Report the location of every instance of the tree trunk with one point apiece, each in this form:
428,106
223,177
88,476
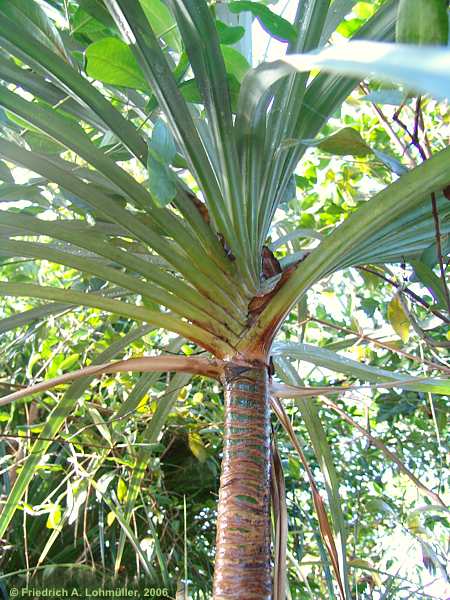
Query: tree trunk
243,565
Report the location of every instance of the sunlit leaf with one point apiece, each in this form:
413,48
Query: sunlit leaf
111,61
121,490
197,447
274,24
398,318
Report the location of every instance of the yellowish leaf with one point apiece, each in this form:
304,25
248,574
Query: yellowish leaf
398,318
197,447
197,398
54,517
121,490
365,565
111,517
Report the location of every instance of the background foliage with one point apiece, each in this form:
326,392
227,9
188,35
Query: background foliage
112,457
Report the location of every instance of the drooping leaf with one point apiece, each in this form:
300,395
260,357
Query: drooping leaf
398,318
346,141
111,61
390,162
342,364
197,447
162,141
121,490
162,151
274,24
427,276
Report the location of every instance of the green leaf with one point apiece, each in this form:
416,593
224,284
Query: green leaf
161,182
69,362
346,141
422,22
235,63
162,22
97,10
342,364
274,24
111,61
5,173
229,34
162,142
430,255
35,22
42,144
162,151
427,276
390,162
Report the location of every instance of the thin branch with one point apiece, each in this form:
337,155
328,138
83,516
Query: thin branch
381,446
390,130
361,336
407,291
418,329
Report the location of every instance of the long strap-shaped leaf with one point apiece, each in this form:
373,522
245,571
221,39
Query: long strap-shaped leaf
407,193
113,211
342,364
202,44
324,457
327,91
288,97
154,293
72,136
44,60
88,238
144,364
139,313
39,87
136,30
31,316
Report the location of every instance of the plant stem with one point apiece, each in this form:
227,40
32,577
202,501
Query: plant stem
243,566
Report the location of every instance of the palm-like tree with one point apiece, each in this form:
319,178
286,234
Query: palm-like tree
196,262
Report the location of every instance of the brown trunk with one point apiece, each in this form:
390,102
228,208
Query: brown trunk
243,565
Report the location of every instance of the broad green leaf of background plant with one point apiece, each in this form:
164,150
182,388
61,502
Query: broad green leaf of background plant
229,34
162,22
346,141
111,61
274,24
